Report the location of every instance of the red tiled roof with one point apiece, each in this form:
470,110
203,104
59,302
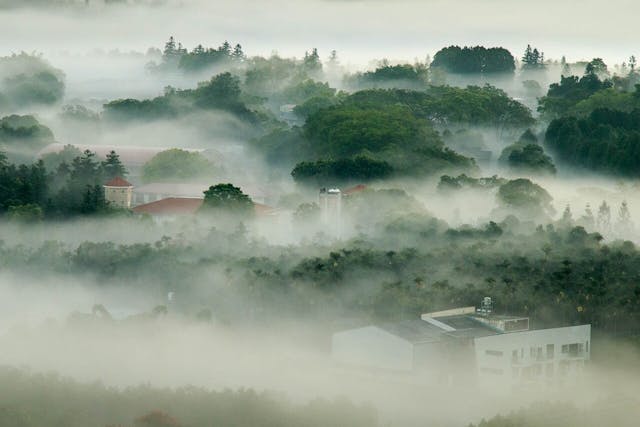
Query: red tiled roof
261,209
187,206
356,189
170,206
118,182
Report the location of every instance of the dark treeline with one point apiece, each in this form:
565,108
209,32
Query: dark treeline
31,400
33,192
473,60
408,263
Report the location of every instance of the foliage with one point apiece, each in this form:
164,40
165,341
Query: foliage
389,76
22,136
525,197
39,400
25,213
176,165
472,60
112,167
324,173
606,141
53,160
307,213
532,59
529,158
79,113
614,410
28,80
466,182
222,92
393,135
30,192
200,59
563,96
228,199
283,146
445,105
305,90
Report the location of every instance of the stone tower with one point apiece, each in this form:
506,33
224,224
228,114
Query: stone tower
118,192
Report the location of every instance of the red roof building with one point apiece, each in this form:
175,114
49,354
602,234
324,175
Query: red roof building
174,206
353,190
170,206
118,182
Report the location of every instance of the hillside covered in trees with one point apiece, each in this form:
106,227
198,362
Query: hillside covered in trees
191,211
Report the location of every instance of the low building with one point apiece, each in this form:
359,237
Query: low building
162,190
173,207
456,346
118,193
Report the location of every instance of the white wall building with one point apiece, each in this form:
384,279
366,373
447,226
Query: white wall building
460,345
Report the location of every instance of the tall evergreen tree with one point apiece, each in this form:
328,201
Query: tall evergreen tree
112,167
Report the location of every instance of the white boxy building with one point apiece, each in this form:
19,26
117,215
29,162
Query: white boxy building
457,345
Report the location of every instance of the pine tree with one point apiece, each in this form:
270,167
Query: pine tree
632,63
604,217
567,217
587,219
527,59
238,54
112,167
225,48
169,48
624,225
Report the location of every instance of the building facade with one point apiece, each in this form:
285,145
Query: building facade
118,193
467,345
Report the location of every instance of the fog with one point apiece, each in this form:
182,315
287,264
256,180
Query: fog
246,290
359,30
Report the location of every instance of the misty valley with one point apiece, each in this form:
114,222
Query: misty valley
203,233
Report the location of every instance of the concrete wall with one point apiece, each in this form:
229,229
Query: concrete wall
550,356
119,196
372,347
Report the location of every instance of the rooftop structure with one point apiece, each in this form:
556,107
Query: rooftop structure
161,190
183,206
118,192
466,343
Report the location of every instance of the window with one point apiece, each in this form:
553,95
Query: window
494,353
514,356
573,350
550,351
587,346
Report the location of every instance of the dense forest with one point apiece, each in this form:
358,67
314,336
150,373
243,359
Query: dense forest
277,198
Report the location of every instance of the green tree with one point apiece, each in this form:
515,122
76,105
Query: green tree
531,158
324,173
112,167
176,165
228,199
525,197
597,67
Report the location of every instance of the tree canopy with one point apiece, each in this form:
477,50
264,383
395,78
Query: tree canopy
474,60
177,165
228,199
606,141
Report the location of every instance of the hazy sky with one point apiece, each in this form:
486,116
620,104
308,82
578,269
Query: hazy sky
359,30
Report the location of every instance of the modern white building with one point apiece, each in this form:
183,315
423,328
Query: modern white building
330,202
465,344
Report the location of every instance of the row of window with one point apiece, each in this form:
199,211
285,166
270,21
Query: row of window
541,353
